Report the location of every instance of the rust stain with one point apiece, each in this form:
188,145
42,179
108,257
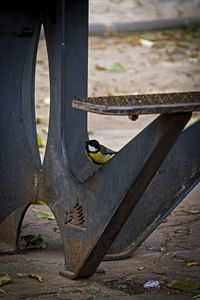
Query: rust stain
31,178
78,252
43,194
8,228
8,233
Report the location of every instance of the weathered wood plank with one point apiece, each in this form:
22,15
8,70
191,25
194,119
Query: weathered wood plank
140,104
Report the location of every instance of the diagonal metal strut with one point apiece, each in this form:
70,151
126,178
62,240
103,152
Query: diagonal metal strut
164,132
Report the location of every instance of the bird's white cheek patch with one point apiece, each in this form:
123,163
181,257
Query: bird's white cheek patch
91,148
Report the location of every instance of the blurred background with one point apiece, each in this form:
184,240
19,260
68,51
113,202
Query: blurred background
108,11
162,60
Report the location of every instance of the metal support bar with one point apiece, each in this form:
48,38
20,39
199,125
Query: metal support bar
67,45
106,201
19,155
177,176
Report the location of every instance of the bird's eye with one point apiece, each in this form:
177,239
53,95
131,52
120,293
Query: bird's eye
94,143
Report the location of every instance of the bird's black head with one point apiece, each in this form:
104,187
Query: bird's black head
92,146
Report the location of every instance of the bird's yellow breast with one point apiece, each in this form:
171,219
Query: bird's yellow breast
98,157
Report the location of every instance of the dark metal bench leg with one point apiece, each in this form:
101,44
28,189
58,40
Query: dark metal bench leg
10,231
19,155
90,210
110,196
66,32
176,177
90,214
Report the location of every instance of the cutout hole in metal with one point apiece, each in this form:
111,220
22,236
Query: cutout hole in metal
39,229
42,96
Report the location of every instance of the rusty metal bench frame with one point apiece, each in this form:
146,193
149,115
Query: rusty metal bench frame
80,194
179,171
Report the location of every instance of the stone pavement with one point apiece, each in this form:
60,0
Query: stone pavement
163,257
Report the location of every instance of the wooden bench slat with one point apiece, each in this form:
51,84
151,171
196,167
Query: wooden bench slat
140,104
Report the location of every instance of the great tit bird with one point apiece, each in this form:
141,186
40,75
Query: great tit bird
97,153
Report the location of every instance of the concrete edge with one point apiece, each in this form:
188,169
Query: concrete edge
101,29
140,26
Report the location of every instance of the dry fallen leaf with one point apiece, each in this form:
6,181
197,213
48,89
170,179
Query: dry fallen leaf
183,286
35,210
44,214
148,37
179,231
163,249
39,141
34,242
192,212
39,120
194,263
115,67
4,278
45,131
34,276
39,202
100,68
